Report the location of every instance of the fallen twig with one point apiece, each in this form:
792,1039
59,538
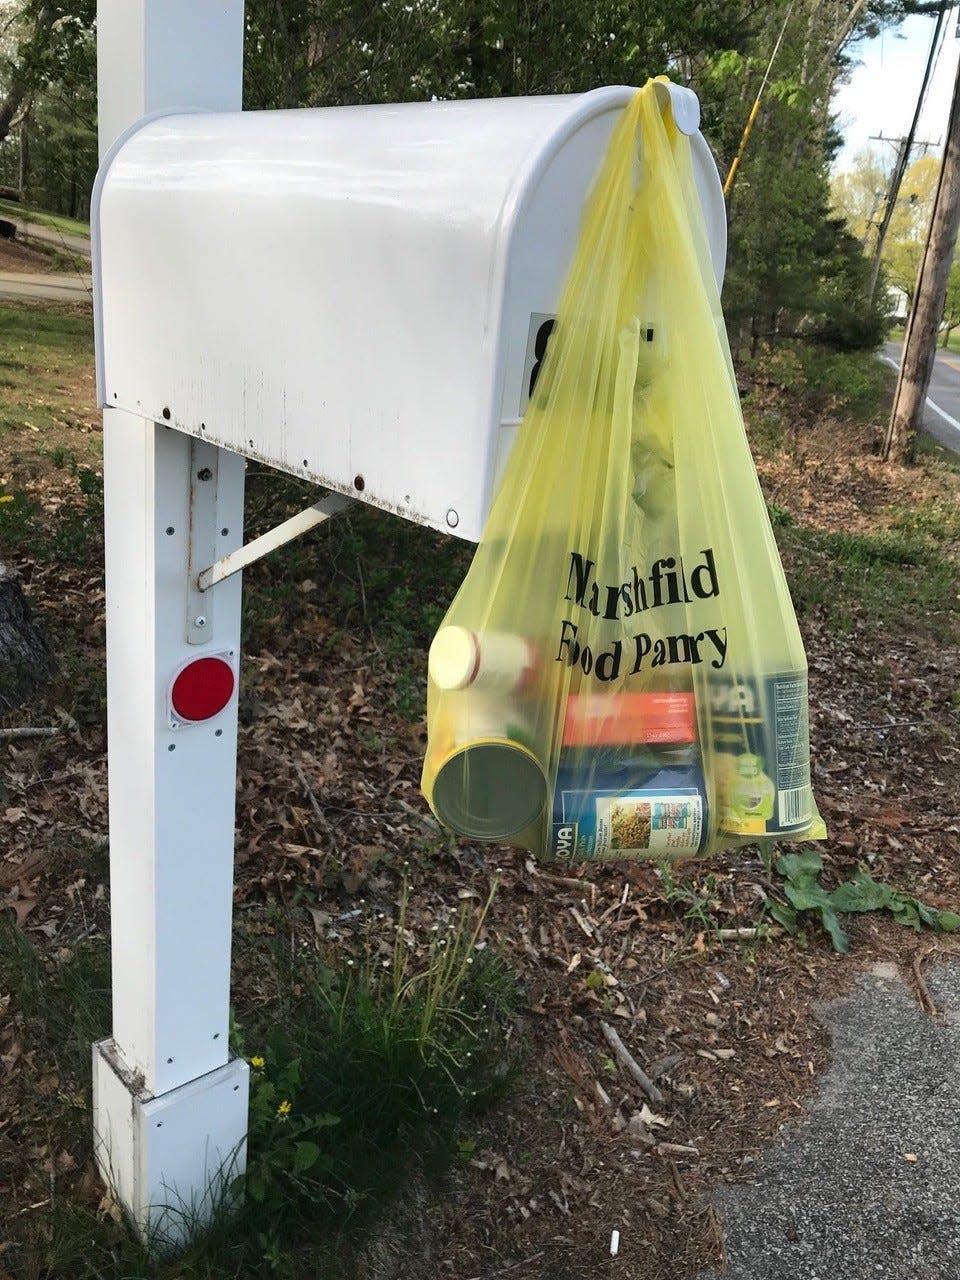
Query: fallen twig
315,805
502,1271
744,933
676,1149
926,999
47,731
630,1064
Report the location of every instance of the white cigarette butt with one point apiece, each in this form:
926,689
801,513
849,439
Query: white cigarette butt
614,1243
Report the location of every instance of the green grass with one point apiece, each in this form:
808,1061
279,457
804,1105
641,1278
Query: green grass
43,355
362,1075
56,221
929,449
891,577
934,522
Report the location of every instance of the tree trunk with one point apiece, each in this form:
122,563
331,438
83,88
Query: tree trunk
20,83
920,339
26,660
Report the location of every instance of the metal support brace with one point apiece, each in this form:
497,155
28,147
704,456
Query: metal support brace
333,504
204,458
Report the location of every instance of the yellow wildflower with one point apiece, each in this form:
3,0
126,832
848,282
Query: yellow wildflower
258,1063
284,1108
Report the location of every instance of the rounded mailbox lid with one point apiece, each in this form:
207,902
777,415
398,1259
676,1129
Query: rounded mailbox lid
489,790
418,250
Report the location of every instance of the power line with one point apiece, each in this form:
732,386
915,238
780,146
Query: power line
905,147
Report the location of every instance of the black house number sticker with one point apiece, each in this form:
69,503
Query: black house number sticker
538,336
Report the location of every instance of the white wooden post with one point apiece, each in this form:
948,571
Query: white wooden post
170,1109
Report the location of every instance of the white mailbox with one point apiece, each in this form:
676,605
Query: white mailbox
356,294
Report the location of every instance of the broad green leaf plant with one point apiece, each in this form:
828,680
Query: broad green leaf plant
804,892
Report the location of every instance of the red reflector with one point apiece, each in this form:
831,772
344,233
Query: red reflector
202,689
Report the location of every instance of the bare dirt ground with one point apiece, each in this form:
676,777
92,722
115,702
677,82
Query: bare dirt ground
329,811
22,258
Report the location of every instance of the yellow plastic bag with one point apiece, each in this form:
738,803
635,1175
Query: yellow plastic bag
621,673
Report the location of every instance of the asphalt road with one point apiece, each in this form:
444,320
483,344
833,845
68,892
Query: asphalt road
49,288
867,1185
69,286
942,415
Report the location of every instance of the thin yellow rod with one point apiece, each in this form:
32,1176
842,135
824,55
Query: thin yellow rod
754,110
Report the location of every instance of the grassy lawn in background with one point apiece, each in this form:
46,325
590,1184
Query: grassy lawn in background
46,377
56,221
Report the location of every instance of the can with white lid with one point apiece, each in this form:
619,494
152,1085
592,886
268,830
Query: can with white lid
491,661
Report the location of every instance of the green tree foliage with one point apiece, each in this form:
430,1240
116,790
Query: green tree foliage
48,79
857,195
795,270
951,305
321,52
791,266
908,226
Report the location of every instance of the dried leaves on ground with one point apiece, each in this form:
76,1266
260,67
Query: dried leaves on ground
716,1015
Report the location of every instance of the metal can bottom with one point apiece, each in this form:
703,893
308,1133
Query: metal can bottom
489,790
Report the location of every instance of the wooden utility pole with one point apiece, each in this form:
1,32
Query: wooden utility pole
904,148
920,339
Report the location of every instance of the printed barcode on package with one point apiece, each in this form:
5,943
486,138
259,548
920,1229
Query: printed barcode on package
794,805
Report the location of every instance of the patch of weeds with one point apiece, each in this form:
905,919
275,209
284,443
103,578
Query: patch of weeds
76,534
882,576
81,687
363,1079
66,262
933,522
73,536
361,1075
694,905
850,384
65,1003
804,892
61,457
767,427
17,515
780,517
927,447
797,384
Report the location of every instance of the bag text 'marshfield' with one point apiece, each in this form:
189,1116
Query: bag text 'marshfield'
668,582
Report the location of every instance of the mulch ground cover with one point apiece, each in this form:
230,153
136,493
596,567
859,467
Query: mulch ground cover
721,1020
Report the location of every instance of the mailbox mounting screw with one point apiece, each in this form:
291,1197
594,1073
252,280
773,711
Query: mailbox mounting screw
200,621
204,474
166,413
358,483
224,532
170,531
